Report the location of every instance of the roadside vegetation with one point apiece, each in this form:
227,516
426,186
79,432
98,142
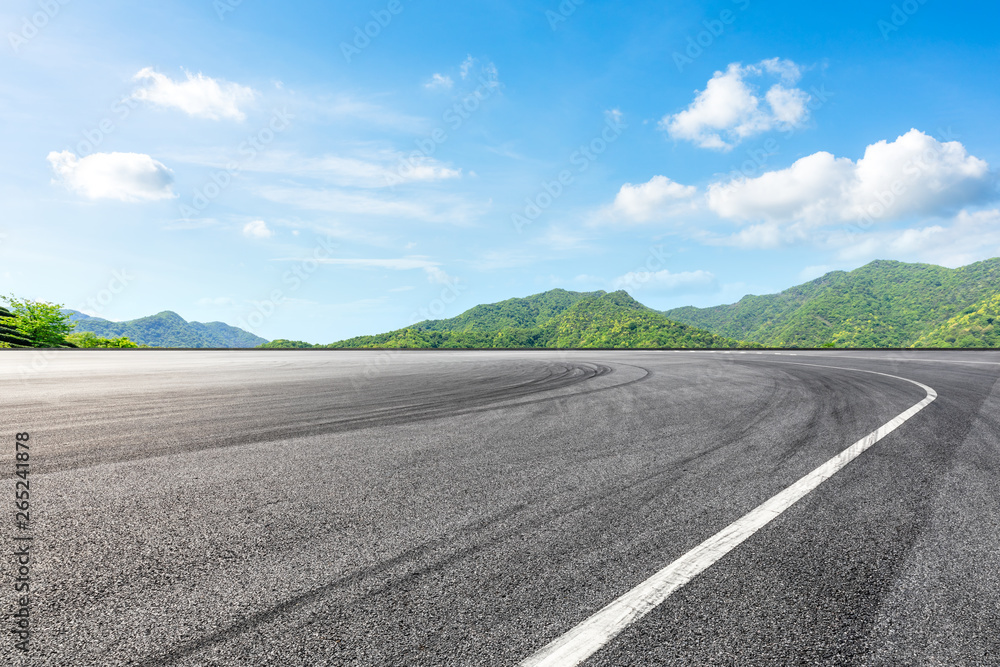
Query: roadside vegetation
36,324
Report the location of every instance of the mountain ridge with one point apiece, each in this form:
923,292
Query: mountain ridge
554,319
168,329
884,303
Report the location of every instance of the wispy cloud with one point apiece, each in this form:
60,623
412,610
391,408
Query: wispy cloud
684,282
433,270
419,206
440,82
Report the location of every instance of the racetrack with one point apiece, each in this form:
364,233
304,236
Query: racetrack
469,508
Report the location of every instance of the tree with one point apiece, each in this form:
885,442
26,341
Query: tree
44,324
88,339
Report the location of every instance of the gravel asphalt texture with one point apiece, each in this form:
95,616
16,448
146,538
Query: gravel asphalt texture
466,508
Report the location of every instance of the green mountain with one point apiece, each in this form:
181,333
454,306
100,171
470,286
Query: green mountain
882,304
532,311
976,326
168,329
556,319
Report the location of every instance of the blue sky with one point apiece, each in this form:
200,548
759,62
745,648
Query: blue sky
322,170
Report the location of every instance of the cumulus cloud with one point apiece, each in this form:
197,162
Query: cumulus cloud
439,82
684,282
199,95
654,199
915,175
127,177
257,229
730,108
835,203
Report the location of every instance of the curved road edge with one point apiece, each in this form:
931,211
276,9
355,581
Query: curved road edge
582,641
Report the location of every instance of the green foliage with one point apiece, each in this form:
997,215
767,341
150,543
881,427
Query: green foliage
282,344
10,337
36,323
591,320
168,329
976,326
882,304
88,339
526,313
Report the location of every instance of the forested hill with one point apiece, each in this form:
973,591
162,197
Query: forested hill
532,311
882,304
556,319
168,329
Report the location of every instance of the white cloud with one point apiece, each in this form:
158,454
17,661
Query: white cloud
467,66
814,272
490,73
257,229
437,275
664,281
221,301
199,95
439,81
915,175
433,270
364,168
968,237
431,208
125,176
655,199
730,109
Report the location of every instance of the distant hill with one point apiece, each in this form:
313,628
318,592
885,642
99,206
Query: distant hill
555,319
882,304
168,329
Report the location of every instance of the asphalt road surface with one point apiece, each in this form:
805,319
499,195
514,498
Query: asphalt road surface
472,508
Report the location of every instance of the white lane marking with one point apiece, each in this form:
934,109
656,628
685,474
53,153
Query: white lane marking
589,636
